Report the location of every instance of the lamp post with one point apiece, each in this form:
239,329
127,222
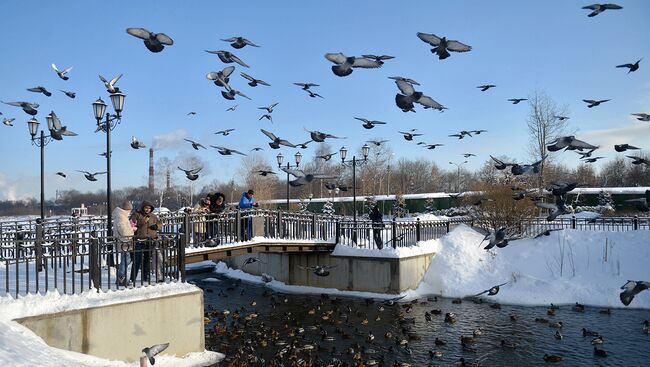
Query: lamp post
111,121
458,165
280,158
365,149
41,142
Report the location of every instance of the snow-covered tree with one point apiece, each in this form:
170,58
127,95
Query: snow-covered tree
328,208
430,205
605,199
303,204
399,210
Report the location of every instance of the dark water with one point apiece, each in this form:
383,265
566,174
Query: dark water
257,341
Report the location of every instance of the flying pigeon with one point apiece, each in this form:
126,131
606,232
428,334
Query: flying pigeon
561,118
268,109
369,124
319,270
303,178
379,58
239,42
154,350
556,209
69,94
252,81
320,137
313,94
228,57
377,142
104,154
432,146
304,145
230,93
408,136
492,291
632,67
191,113
592,160
547,232
599,8
91,176
195,145
220,78
641,204
136,144
110,85
485,87
250,260
570,143
520,169
265,173
562,188
638,160
306,86
266,116
232,108
593,103
642,116
226,151
478,132
467,155
62,74
155,42
517,100
624,147
344,64
410,95
586,154
442,46
495,238
256,149
40,89
191,174
631,289
8,121
225,132
275,144
61,174
326,157
57,132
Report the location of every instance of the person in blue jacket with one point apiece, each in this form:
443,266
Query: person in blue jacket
247,201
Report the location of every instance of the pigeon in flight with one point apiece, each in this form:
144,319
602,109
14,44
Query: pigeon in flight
29,108
459,136
303,178
239,42
369,124
642,116
230,93
228,57
110,85
485,87
570,143
556,209
379,58
62,74
593,103
641,204
256,149
495,238
136,144
191,113
586,154
8,121
226,151
91,176
377,142
268,109
561,188
40,89
304,145
61,174
69,94
409,135
57,132
631,289
225,132
547,232
492,291
232,108
195,145
638,160
410,95
520,169
344,64
467,155
254,82
104,154
250,260
191,174
592,160
432,146
155,42
154,350
220,78
326,157
478,132
313,94
517,100
319,270
306,86
265,173
632,67
624,147
320,137
266,116
599,8
561,118
442,46
275,144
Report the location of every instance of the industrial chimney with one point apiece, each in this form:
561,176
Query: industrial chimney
151,188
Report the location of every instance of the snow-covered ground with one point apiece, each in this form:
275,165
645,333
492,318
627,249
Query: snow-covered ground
19,346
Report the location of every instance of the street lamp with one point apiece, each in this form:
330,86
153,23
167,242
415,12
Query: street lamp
110,122
365,149
41,142
458,165
280,158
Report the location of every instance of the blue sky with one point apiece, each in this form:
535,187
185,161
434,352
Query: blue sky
519,46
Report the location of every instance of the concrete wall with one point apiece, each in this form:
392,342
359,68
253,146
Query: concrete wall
382,275
120,331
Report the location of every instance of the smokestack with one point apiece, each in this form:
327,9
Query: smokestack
151,188
168,181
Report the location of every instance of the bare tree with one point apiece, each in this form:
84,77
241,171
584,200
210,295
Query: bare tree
544,125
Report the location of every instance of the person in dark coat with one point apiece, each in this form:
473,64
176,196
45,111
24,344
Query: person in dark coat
377,226
217,206
147,226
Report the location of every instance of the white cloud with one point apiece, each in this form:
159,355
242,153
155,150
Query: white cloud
635,134
20,188
172,139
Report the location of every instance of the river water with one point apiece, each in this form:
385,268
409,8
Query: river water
265,328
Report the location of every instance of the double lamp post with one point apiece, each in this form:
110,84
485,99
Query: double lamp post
280,159
365,149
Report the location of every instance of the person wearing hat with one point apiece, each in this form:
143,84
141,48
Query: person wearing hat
147,226
123,233
200,210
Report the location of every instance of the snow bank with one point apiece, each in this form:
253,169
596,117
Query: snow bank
19,346
422,248
566,267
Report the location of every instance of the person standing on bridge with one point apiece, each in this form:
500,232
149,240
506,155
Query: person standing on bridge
377,226
123,232
200,210
247,201
147,225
